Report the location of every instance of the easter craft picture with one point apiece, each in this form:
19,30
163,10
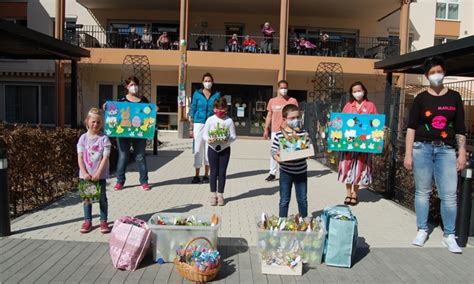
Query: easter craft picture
294,148
219,133
132,120
356,132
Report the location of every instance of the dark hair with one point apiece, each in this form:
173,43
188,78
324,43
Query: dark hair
432,62
220,103
132,79
289,108
207,75
283,82
358,83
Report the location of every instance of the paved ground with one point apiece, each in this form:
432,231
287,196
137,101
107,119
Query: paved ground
385,228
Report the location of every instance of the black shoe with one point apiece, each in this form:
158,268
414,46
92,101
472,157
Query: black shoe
205,179
196,180
271,178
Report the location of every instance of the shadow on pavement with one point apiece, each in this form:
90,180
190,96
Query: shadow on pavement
253,193
52,225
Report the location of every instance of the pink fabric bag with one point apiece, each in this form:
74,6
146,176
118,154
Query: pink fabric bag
128,243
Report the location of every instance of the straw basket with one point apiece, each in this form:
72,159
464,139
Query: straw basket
192,274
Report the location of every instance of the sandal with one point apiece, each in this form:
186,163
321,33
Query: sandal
354,201
347,201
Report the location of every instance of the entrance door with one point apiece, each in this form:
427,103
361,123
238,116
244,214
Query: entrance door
247,106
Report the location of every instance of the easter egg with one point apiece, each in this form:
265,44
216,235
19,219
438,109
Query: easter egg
147,110
375,123
136,122
350,123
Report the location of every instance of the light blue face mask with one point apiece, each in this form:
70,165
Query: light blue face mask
294,123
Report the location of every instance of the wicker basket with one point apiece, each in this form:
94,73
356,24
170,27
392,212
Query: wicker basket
190,273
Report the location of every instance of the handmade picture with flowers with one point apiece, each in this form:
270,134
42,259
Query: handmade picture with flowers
132,120
356,132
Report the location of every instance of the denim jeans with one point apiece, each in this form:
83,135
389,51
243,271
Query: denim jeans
218,162
301,187
102,204
439,162
139,146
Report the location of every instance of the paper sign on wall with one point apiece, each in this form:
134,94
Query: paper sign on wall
240,112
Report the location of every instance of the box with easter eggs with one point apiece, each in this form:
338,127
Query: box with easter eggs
286,244
356,132
131,120
295,148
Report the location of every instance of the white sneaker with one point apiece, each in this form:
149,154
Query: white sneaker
420,238
451,244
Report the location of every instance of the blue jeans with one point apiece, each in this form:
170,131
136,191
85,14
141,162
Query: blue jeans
139,146
301,187
102,204
440,162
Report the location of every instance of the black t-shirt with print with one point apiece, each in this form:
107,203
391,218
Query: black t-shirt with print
142,100
437,118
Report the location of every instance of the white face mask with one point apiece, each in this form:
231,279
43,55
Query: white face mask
207,85
283,92
133,89
436,79
358,95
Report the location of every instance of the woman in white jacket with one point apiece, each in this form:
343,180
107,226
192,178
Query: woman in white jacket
219,132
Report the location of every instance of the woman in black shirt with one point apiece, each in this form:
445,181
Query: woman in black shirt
138,144
435,128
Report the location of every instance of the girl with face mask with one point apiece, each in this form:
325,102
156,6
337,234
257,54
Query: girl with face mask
219,132
355,169
435,129
139,145
201,109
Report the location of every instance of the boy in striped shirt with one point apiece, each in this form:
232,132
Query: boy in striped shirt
295,171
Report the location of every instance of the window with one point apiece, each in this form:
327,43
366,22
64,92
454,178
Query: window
21,104
34,104
447,9
106,93
442,40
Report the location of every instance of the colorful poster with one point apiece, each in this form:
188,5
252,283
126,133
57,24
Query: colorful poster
356,132
133,120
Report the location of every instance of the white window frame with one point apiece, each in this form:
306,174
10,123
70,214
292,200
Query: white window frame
447,2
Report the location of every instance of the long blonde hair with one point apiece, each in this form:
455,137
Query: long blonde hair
93,111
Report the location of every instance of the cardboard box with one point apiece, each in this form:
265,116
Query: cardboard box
291,155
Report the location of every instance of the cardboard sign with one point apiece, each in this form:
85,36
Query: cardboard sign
131,120
356,132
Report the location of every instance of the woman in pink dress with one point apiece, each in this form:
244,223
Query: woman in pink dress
355,168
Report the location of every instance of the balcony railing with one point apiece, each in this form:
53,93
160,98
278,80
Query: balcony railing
311,45
354,47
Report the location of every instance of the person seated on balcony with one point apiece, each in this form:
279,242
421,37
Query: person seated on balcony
250,45
147,40
306,47
204,42
292,41
133,39
233,44
324,43
163,41
267,32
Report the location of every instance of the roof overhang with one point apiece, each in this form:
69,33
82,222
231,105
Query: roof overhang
458,56
19,42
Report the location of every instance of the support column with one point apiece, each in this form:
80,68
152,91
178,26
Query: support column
73,108
183,48
404,35
59,67
284,15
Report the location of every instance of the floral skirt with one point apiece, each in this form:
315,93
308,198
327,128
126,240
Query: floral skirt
355,168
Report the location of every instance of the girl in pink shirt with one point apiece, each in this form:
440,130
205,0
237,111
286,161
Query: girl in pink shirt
355,168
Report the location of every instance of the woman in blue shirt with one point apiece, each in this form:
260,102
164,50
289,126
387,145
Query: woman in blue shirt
201,109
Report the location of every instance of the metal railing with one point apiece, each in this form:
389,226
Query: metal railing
354,47
336,46
223,43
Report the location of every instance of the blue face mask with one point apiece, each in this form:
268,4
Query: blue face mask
294,123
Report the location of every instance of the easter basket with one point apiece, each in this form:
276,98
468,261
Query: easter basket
191,273
89,190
